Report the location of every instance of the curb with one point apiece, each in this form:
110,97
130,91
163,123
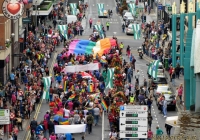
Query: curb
179,108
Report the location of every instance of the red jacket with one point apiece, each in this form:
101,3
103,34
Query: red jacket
45,124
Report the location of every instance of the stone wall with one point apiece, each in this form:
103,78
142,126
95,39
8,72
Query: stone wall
189,124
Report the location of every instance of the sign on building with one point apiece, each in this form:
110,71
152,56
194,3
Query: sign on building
133,121
4,116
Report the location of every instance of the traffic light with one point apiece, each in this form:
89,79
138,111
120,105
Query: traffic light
143,18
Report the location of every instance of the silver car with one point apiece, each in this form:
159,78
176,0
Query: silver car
129,29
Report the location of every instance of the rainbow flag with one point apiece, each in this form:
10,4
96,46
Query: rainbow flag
104,105
71,97
72,87
65,86
103,61
90,88
65,121
59,113
57,100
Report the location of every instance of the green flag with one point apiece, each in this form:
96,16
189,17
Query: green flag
154,68
100,7
136,30
109,78
47,84
99,29
149,68
132,8
63,30
73,8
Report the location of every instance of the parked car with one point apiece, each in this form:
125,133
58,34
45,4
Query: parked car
129,19
129,30
171,101
161,89
126,15
103,14
124,11
158,81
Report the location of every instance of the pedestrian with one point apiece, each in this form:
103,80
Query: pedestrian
96,111
177,71
107,25
159,131
164,107
149,103
132,99
173,76
137,76
90,22
113,133
180,92
52,136
47,71
123,28
150,118
84,16
145,82
111,119
15,132
54,23
149,9
10,137
128,51
33,126
1,132
51,127
90,121
168,129
149,134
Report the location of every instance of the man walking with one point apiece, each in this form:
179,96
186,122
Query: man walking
90,120
164,107
96,115
107,25
168,129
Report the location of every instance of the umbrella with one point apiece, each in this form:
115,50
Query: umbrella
85,75
57,118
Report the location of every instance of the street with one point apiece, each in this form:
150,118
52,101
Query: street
115,26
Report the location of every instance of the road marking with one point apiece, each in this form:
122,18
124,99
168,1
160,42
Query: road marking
40,104
157,121
93,4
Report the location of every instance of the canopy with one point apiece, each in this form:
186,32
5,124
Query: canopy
89,47
172,121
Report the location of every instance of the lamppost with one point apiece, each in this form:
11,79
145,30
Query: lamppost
10,43
174,16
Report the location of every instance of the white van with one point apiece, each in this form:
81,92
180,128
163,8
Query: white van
71,18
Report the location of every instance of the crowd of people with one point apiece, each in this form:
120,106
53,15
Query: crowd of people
25,88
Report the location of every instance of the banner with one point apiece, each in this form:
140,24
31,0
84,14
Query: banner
100,7
63,29
99,28
132,8
109,79
62,129
77,68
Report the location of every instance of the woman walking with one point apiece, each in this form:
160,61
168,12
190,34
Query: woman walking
128,51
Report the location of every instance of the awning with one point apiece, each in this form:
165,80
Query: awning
42,12
172,121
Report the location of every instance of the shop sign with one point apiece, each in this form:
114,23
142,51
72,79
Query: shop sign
13,9
169,8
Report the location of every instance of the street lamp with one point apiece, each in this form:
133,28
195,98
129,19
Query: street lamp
8,43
